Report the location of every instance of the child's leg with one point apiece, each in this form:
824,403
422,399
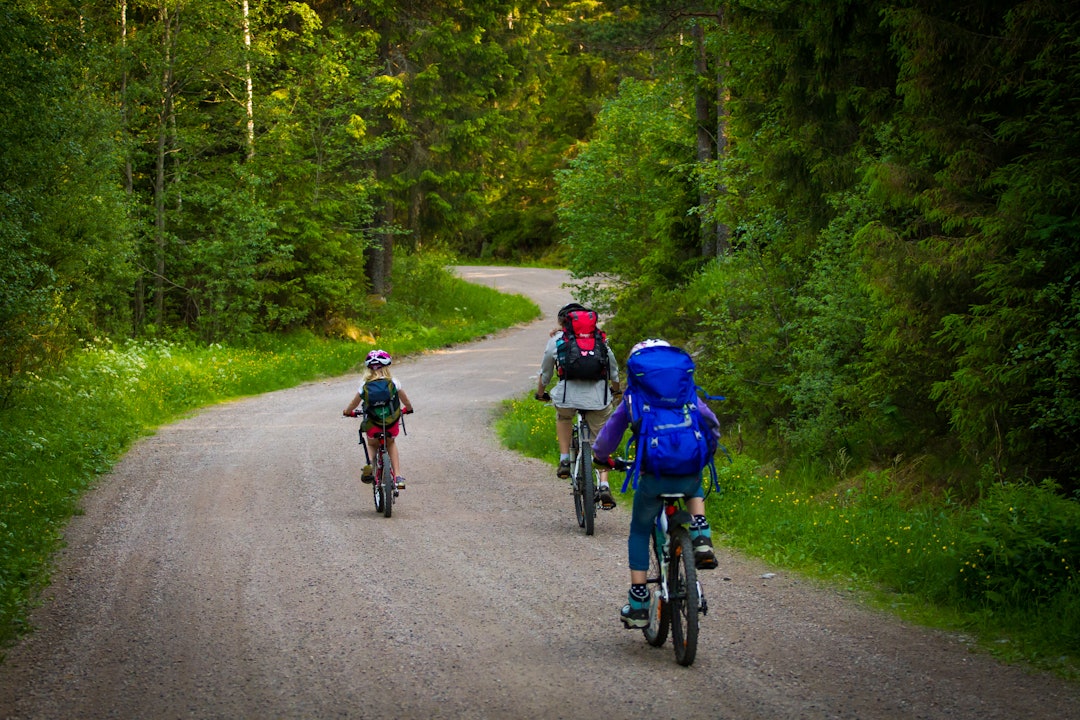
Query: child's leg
701,534
392,449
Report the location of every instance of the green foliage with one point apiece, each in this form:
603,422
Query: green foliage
213,188
900,199
528,427
62,231
999,145
623,200
1022,548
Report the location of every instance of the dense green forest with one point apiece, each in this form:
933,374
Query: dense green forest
862,216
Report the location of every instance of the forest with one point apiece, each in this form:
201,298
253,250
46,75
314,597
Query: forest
860,215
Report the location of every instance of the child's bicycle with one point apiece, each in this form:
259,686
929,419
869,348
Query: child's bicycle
384,483
675,595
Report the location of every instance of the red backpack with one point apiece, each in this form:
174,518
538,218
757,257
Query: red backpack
581,353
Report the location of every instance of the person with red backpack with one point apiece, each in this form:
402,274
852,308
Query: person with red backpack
383,403
578,355
675,435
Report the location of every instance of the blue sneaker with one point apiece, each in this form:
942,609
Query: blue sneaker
635,613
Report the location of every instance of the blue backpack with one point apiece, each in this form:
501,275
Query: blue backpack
669,432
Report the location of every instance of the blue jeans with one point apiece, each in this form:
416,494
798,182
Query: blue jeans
647,505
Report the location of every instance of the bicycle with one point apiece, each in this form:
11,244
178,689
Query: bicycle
384,484
586,492
675,596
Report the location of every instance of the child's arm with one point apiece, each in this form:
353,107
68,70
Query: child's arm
352,406
405,401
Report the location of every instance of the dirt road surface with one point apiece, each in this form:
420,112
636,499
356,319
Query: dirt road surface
232,566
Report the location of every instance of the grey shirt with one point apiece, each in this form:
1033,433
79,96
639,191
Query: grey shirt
577,394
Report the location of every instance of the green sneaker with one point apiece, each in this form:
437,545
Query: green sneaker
635,613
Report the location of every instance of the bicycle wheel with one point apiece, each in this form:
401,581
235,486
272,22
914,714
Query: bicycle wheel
575,484
683,589
378,494
588,488
376,486
656,631
386,483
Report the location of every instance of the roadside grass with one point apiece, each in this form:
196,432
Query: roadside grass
66,428
1003,570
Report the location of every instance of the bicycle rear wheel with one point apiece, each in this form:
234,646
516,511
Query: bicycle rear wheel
575,485
656,631
586,481
683,589
387,486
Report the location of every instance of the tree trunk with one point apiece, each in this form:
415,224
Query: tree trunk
704,108
139,301
159,175
711,112
250,103
723,232
381,256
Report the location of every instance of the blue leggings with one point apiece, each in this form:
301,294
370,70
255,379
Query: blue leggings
647,505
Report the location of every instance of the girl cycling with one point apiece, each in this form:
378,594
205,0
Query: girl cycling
377,376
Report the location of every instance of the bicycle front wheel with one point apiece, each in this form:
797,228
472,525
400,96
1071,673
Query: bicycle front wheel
386,484
683,589
656,631
376,488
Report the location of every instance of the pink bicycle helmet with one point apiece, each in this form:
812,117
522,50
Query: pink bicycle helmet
377,357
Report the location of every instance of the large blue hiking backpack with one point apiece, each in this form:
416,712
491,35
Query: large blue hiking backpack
669,434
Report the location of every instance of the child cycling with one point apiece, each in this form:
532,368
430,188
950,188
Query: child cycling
582,382
384,401
647,500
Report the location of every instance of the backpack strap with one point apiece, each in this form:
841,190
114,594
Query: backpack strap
637,420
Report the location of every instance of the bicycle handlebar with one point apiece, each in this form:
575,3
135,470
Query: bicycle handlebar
360,413
546,397
613,463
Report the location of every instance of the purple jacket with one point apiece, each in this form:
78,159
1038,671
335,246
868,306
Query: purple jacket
612,432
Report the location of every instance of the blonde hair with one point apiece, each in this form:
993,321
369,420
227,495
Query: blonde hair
379,372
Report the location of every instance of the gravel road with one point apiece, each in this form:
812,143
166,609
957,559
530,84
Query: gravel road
232,566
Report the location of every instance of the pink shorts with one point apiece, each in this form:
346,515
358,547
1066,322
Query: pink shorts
392,430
